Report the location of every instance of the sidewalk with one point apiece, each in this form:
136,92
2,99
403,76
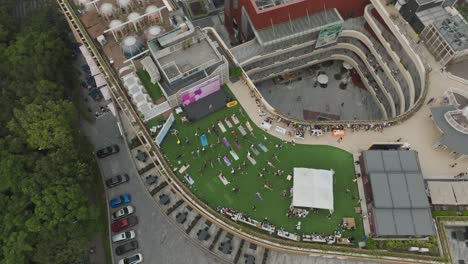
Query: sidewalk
419,130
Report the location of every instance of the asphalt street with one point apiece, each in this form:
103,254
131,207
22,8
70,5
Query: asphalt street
160,241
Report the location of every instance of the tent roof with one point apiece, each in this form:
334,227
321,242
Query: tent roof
313,188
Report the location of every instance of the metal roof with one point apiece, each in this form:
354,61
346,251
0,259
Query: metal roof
416,190
391,161
403,222
399,190
452,138
379,184
296,27
409,161
401,206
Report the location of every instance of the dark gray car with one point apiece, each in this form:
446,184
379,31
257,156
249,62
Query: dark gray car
127,247
117,180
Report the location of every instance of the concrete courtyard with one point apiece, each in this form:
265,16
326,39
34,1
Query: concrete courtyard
303,95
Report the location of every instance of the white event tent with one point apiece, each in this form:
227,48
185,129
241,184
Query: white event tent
313,188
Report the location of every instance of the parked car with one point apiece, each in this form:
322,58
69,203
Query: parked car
127,247
120,200
117,180
124,223
135,259
124,236
107,151
122,212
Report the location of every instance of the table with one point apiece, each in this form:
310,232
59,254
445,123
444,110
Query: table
347,65
226,248
288,235
281,130
181,217
151,179
351,223
357,210
249,259
164,199
322,79
203,234
141,156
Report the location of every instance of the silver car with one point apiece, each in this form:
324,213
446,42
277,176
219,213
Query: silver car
124,236
124,211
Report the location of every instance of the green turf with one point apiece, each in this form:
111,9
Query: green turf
210,189
159,120
153,89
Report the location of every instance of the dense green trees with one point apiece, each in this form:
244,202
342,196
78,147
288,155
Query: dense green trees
46,173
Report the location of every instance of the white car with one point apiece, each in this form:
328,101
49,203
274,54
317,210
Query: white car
124,211
124,236
137,258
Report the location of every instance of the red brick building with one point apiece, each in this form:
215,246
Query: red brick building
264,14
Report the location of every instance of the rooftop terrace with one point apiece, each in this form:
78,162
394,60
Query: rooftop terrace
187,61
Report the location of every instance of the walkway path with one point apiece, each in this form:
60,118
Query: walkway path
419,130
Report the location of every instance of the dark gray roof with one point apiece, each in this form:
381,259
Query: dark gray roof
403,222
374,161
401,206
452,138
416,189
391,161
379,184
399,190
409,161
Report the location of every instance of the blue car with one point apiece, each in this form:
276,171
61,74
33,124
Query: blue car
120,200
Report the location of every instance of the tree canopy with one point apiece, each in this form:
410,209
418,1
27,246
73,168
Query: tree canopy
46,173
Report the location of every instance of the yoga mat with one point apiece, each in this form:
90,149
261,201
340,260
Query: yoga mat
221,126
242,131
204,140
223,179
255,151
234,119
228,123
237,144
227,161
184,168
226,142
263,147
249,127
234,155
251,160
189,179
259,196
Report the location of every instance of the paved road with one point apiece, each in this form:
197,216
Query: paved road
160,241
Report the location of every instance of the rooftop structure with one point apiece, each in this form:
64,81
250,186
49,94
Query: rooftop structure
448,195
186,57
296,27
395,194
440,25
452,121
262,14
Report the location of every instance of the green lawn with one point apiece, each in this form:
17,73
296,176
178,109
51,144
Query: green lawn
159,120
211,190
153,89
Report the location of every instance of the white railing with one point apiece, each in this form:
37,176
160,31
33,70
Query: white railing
449,117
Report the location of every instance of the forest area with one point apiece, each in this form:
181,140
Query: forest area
47,169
